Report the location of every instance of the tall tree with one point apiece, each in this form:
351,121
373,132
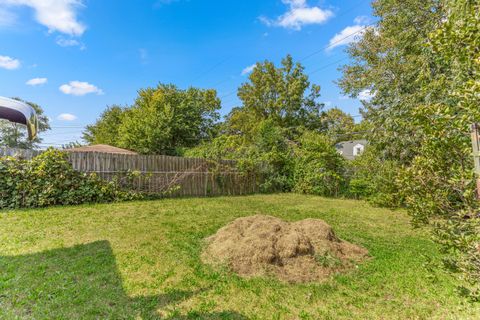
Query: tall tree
106,129
15,136
338,125
283,95
440,182
387,62
422,64
163,120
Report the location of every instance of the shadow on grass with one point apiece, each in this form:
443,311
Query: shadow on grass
81,282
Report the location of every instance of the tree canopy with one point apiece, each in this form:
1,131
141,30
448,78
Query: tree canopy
106,129
274,128
386,62
282,94
421,63
338,125
162,120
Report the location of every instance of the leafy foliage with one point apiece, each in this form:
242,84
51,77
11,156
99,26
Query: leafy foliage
440,183
272,153
375,180
266,152
319,168
106,129
422,64
282,94
275,130
387,61
163,120
338,125
49,179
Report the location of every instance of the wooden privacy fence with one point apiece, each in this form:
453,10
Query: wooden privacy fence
172,176
18,153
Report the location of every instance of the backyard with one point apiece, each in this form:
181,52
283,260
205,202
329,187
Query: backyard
141,260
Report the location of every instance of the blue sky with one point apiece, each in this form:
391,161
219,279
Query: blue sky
75,57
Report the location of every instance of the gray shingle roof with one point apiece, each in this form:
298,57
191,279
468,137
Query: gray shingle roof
346,148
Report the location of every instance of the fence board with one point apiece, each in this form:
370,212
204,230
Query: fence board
18,153
158,174
186,176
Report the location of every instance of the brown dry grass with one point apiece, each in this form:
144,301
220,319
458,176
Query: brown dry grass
302,251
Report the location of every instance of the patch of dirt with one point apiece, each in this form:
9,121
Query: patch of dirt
302,251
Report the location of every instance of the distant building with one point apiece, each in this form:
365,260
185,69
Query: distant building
351,149
103,148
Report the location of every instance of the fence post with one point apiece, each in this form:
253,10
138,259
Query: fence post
476,154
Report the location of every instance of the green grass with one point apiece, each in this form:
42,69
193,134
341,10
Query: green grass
140,260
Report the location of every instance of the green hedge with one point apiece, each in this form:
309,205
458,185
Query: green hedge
49,179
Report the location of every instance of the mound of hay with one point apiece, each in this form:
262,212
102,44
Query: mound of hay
302,251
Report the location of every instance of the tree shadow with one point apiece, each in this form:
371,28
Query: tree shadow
81,282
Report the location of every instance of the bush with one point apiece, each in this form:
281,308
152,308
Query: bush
439,188
49,179
272,156
266,153
319,168
375,180
360,188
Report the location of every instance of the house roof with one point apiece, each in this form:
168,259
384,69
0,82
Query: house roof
103,148
346,147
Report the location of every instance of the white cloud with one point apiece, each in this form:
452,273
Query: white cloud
36,81
248,69
299,15
362,20
67,117
9,63
6,17
63,42
346,36
78,88
56,15
365,95
160,3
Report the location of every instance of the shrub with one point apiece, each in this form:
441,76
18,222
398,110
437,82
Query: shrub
360,188
375,180
266,152
272,156
439,188
49,179
319,168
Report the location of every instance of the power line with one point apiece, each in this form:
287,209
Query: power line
234,91
327,66
68,127
211,69
350,9
228,94
50,133
316,52
330,45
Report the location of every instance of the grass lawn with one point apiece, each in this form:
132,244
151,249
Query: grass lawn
140,260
